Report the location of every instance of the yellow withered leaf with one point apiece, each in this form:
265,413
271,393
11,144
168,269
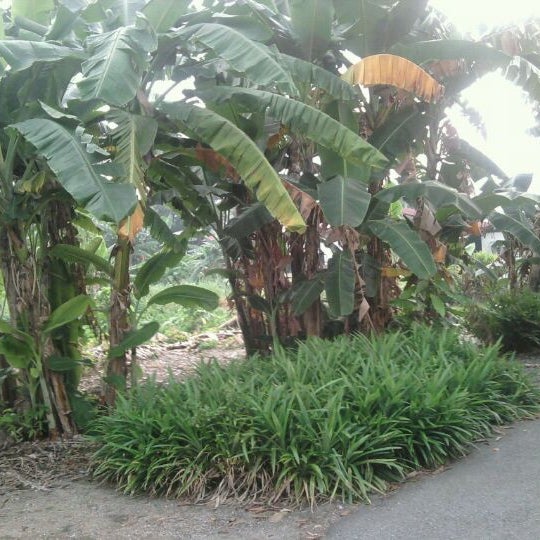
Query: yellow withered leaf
132,225
439,253
396,71
391,272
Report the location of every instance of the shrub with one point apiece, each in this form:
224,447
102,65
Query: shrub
331,419
512,317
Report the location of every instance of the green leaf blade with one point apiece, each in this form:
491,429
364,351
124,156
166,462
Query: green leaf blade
187,296
69,311
75,168
344,201
231,142
407,244
340,283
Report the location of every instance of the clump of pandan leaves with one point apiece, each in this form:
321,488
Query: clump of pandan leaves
335,419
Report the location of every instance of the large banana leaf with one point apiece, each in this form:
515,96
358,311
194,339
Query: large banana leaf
246,56
160,231
113,71
525,75
70,253
311,21
69,311
421,52
21,54
76,168
134,338
308,74
344,201
249,221
309,121
523,233
339,284
436,193
187,296
35,10
390,69
153,270
406,243
226,139
304,293
134,136
362,21
162,14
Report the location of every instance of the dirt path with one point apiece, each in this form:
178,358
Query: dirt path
82,510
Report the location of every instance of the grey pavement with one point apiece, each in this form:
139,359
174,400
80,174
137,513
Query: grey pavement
492,494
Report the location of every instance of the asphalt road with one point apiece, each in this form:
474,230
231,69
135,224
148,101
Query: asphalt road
492,494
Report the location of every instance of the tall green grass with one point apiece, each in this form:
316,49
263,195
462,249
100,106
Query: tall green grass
331,419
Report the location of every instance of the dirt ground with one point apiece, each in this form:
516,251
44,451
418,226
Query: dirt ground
45,491
83,510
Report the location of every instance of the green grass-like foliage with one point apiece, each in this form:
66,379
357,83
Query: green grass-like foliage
511,317
330,419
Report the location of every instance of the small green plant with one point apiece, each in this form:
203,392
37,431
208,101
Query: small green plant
512,317
24,425
434,301
329,419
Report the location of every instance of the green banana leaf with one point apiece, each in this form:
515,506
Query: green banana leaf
232,143
113,71
308,74
74,254
299,117
20,54
250,220
436,193
256,61
421,52
344,201
134,136
69,311
187,296
162,14
134,339
339,284
406,243
152,271
311,22
508,224
304,293
35,10
160,231
76,169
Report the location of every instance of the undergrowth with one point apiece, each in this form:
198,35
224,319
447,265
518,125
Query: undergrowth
331,419
511,317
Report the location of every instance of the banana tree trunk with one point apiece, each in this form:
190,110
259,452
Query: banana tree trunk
119,320
26,283
8,388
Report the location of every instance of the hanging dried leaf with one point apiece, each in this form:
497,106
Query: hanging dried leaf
132,225
447,68
215,162
363,309
304,202
474,228
275,139
392,272
380,69
439,253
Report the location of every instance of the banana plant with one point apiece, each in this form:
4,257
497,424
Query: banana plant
34,356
